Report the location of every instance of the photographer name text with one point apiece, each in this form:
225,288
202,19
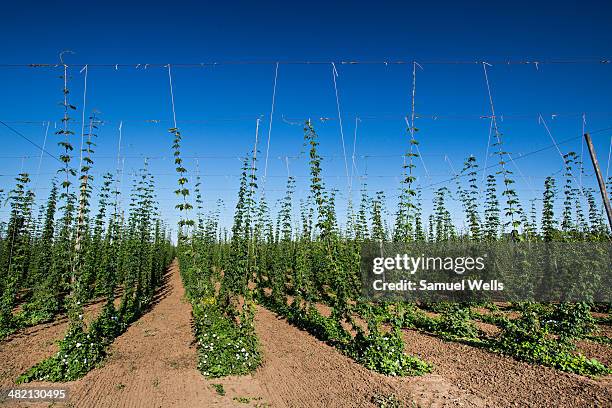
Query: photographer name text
405,285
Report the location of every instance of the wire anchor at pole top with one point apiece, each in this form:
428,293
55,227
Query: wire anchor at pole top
61,56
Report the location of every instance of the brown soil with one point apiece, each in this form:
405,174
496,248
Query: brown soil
505,381
604,330
20,351
490,330
300,371
28,346
153,364
601,352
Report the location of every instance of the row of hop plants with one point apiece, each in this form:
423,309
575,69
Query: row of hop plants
542,338
295,271
290,272
318,265
57,258
216,278
545,333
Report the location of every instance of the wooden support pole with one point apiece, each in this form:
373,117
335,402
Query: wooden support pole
600,180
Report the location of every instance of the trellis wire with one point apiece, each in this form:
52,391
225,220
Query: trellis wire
334,75
238,175
270,124
560,153
535,62
528,154
29,141
324,118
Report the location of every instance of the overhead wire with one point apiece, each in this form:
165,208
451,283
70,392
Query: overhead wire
144,66
29,141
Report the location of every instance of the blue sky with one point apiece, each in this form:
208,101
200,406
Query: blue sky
217,106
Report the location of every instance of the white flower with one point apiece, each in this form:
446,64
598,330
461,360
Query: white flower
78,345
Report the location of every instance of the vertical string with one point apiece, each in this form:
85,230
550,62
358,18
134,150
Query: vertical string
484,173
199,203
119,172
287,166
413,101
184,216
10,259
41,155
255,152
84,69
582,149
419,152
172,96
119,144
609,156
552,138
492,106
354,163
411,125
498,135
121,181
334,75
558,149
270,124
450,164
65,124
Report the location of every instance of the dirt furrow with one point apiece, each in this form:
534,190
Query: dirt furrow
28,346
505,381
300,371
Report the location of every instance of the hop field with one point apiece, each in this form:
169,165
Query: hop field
102,298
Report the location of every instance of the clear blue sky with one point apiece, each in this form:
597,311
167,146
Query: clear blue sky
217,106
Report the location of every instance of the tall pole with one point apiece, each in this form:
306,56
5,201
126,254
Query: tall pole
600,180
